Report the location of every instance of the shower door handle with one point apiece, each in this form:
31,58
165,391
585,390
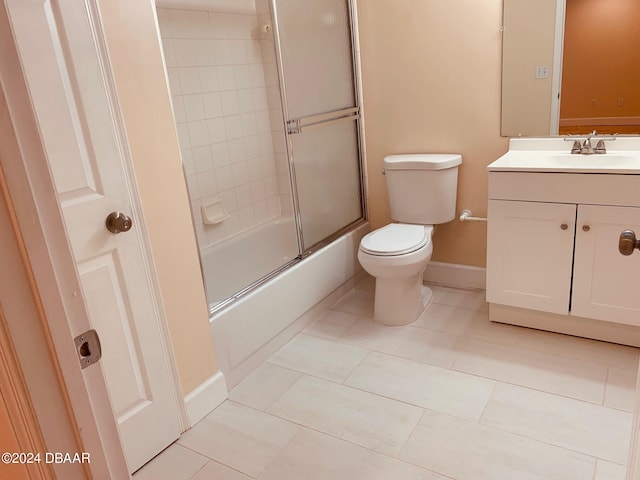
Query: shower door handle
322,119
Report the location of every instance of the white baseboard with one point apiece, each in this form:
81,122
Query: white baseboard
463,276
207,396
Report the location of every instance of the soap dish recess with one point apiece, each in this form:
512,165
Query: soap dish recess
213,212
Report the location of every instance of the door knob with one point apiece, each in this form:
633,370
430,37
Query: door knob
118,222
628,242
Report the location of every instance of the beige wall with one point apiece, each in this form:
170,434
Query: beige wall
528,43
140,79
431,83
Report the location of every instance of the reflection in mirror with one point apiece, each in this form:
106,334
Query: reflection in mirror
598,75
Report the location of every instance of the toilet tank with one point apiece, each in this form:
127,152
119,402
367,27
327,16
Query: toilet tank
422,187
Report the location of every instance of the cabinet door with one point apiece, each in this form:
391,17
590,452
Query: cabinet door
604,281
529,254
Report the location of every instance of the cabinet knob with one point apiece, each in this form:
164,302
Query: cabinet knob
586,228
628,242
564,226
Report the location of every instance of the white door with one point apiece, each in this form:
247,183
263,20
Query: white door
604,285
529,254
60,49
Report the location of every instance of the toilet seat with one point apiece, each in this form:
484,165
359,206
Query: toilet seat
396,239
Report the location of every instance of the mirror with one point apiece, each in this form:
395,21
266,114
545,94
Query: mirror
570,66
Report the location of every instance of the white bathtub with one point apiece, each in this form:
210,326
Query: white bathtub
248,331
234,263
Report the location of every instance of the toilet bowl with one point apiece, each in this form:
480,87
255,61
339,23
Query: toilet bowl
397,255
422,193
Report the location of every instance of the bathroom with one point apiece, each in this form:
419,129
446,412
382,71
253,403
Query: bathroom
401,114
460,121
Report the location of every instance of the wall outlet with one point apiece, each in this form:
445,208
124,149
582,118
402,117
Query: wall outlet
542,71
621,102
593,102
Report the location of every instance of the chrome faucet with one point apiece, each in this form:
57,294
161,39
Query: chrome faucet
586,148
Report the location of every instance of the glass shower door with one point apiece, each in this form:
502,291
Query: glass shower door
321,111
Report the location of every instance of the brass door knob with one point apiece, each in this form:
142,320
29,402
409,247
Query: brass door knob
628,242
118,222
586,228
564,226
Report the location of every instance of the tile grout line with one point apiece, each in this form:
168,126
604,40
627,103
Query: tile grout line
493,390
606,384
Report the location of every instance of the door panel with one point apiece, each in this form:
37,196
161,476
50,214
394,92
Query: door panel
529,254
604,280
315,39
58,46
327,176
322,114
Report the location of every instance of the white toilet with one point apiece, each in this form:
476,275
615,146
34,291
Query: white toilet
422,193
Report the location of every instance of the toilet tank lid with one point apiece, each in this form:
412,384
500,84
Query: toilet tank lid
422,161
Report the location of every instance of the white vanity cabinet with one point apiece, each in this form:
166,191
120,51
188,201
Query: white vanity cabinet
552,251
604,281
530,254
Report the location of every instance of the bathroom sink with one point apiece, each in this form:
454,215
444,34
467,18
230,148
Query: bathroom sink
552,154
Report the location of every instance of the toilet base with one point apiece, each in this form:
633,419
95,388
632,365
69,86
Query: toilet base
400,301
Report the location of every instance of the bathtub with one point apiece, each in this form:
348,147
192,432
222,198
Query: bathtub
262,250
247,331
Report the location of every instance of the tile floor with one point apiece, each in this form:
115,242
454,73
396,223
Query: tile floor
451,396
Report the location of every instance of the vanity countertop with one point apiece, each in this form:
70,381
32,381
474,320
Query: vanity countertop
553,154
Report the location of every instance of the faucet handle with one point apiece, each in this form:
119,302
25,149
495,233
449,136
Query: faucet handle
576,147
600,147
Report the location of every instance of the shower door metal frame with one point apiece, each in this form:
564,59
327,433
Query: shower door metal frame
294,126
308,122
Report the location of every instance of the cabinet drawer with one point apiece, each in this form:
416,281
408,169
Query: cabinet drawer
585,188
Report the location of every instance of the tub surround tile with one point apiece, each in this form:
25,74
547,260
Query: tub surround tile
174,463
377,423
456,297
609,471
263,386
542,371
423,385
465,450
426,346
314,456
357,302
239,437
331,324
319,357
565,422
620,391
